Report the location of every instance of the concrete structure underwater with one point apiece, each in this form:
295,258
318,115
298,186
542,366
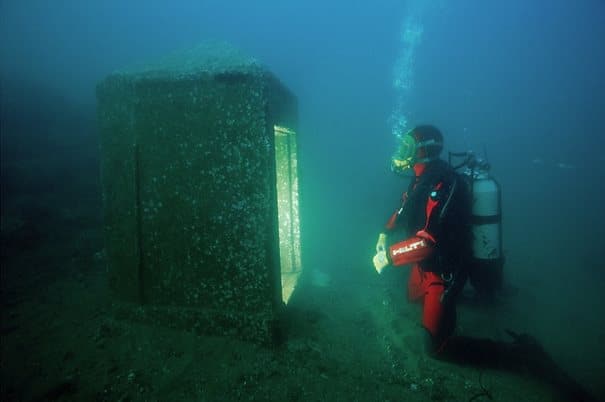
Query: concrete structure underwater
200,189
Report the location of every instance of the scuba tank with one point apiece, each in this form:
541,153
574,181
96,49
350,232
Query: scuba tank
486,224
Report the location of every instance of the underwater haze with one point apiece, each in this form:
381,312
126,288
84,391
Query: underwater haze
521,83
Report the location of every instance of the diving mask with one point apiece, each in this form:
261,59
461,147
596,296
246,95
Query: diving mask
404,158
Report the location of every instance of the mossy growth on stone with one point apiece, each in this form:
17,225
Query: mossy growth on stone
189,189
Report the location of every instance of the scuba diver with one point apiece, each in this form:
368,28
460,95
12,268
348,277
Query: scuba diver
436,213
435,210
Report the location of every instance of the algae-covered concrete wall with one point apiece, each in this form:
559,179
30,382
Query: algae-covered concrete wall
189,190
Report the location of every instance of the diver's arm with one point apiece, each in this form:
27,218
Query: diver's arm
415,249
401,253
422,245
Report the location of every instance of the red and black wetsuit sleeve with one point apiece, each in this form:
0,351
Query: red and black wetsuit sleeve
422,244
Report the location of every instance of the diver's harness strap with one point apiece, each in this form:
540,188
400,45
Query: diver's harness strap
446,205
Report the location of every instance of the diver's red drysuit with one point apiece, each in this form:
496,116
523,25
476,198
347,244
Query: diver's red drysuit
435,209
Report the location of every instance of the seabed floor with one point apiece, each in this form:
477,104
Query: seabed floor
346,341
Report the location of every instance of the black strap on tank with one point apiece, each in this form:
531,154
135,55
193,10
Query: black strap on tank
486,219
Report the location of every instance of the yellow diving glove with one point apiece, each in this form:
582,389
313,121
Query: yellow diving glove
380,260
381,243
